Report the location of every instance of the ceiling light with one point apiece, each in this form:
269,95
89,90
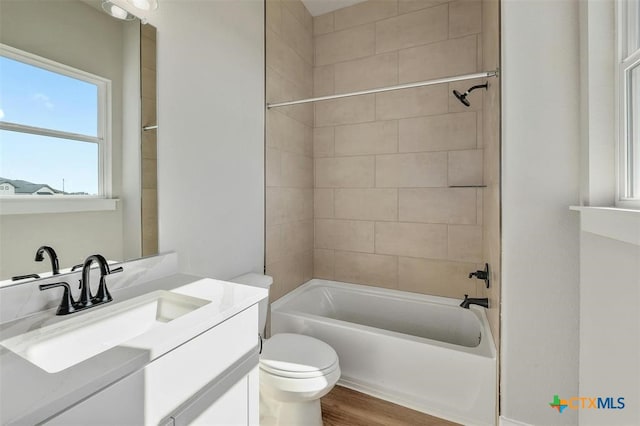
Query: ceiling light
116,11
144,4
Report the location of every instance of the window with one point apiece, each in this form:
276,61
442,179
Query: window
628,79
54,129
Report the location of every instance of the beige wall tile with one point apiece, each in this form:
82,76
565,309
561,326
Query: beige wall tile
479,207
284,205
297,237
368,73
323,142
323,81
273,167
344,45
405,6
306,264
287,275
285,60
149,173
426,26
465,167
149,144
274,245
442,59
363,13
427,169
411,239
465,243
427,100
300,12
297,36
323,24
287,134
479,129
297,170
366,204
475,97
280,89
149,112
356,109
149,210
370,269
438,205
323,264
345,172
491,33
436,277
438,132
276,90
350,235
323,203
148,52
379,137
274,15
148,83
465,17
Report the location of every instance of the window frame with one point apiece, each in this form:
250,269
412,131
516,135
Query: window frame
624,63
103,138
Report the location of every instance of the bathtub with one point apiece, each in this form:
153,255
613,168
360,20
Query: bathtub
422,352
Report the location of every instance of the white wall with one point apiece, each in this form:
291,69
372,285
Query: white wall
210,138
540,297
610,325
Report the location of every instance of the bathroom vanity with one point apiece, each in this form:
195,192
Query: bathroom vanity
171,351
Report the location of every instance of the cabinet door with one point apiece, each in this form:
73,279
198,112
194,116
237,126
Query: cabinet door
182,374
120,404
229,410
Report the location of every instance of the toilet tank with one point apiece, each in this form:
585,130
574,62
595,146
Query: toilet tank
257,280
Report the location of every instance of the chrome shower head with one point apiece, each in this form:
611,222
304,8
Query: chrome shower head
462,97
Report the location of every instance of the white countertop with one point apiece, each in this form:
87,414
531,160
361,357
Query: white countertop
31,395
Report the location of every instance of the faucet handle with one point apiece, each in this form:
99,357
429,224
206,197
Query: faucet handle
67,304
482,275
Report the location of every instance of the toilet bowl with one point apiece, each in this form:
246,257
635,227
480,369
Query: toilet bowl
295,371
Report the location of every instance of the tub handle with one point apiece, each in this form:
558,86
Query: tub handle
482,275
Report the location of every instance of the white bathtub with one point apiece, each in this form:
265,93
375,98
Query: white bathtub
423,352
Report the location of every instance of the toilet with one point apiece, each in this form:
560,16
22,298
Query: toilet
295,371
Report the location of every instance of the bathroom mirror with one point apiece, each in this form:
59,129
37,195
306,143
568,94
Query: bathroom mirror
80,35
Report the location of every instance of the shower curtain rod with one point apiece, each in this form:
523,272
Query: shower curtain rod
389,88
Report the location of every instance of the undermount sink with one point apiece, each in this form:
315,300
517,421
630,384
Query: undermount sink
66,343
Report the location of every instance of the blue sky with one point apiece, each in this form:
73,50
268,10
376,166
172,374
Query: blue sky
40,98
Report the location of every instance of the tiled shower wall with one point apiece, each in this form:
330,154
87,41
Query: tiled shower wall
386,209
289,146
491,138
363,189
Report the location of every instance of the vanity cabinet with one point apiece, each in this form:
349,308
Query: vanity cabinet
210,379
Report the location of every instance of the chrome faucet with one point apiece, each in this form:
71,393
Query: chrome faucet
55,266
484,302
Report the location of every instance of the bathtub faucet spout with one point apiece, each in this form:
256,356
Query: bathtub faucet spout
484,302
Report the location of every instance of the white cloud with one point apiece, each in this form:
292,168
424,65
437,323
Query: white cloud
1,113
44,100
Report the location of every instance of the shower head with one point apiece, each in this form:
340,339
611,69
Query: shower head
462,97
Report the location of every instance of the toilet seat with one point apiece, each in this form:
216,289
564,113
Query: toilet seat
297,356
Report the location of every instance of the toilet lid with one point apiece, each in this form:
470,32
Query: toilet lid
295,355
